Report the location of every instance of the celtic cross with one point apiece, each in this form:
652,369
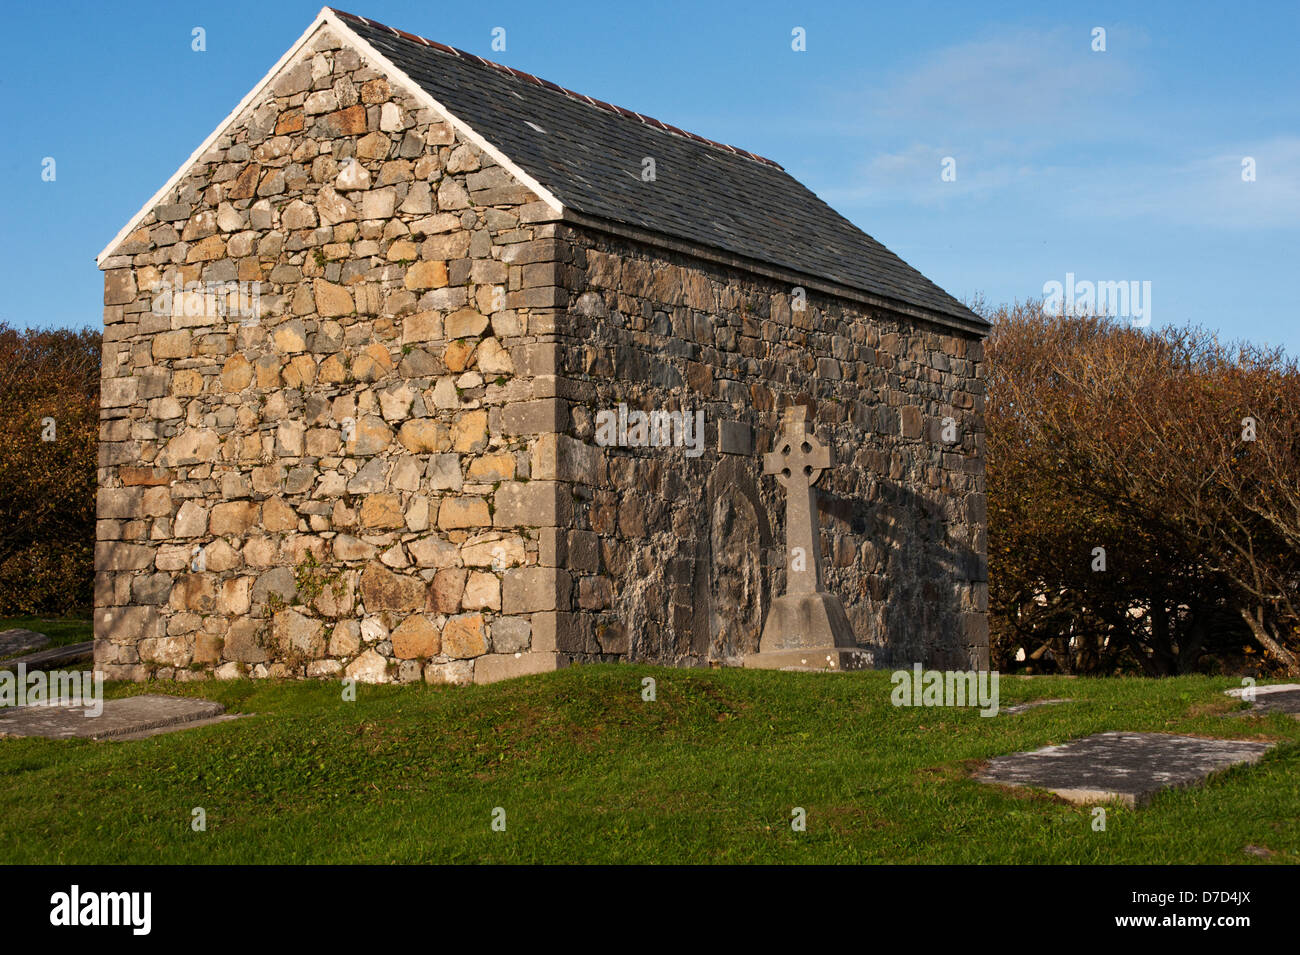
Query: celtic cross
798,460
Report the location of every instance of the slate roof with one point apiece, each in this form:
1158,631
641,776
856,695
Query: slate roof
589,154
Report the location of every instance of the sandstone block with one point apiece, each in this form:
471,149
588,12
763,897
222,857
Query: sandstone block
127,625
382,511
191,520
119,287
533,589
482,592
447,590
456,356
461,512
168,651
533,504
172,345
194,592
118,392
117,555
119,502
416,638
558,457
422,435
422,327
511,634
494,550
381,589
236,374
434,552
370,667
504,666
331,300
490,468
370,436
558,631
536,417
233,517
298,635
278,515
469,432
426,275
346,638
466,323
464,637
453,673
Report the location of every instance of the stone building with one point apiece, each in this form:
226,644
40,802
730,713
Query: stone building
357,350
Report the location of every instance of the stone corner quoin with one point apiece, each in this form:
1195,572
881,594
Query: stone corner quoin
382,464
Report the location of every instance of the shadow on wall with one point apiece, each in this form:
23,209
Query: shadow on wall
696,591
908,588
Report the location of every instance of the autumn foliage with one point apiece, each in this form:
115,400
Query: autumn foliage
1144,499
49,429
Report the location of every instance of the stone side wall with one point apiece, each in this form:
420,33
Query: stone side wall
676,559
341,483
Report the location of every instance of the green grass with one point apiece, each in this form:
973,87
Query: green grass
587,772
60,630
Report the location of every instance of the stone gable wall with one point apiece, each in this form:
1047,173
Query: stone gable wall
341,483
675,559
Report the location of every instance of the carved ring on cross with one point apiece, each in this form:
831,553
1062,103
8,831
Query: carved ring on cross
799,455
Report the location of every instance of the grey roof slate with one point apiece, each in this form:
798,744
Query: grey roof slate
589,156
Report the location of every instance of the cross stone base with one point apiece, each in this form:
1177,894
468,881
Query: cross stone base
809,626
833,660
798,621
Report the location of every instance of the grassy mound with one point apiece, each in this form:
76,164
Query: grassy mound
587,771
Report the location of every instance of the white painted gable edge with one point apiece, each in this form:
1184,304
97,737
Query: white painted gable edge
327,17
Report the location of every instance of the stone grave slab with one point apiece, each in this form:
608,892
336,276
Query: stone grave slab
132,717
1031,705
21,641
53,657
1278,698
1123,766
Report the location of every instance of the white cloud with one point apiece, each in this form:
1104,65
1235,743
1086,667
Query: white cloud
1204,191
1047,83
913,175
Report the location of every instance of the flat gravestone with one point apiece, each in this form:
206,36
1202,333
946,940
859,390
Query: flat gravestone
1279,698
21,641
132,717
1128,767
1031,705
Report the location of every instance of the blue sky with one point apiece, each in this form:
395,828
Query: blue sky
1123,165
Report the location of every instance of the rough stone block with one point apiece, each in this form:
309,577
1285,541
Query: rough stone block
735,437
533,504
117,392
558,457
460,512
531,589
511,634
464,637
116,555
558,631
114,503
128,625
416,638
505,666
543,416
